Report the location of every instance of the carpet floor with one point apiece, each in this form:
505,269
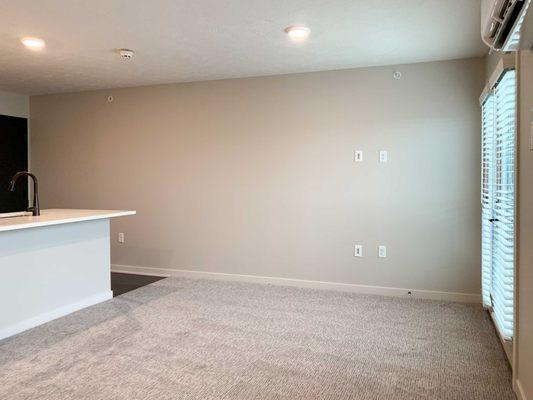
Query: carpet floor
202,339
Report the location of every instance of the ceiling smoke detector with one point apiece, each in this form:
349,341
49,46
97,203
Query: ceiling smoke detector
126,54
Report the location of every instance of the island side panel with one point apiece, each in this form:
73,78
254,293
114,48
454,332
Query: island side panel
51,271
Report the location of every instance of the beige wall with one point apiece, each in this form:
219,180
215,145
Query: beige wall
491,61
14,104
256,176
524,353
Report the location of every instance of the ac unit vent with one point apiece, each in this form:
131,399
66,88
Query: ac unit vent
501,22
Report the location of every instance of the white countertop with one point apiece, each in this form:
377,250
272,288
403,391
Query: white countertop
58,216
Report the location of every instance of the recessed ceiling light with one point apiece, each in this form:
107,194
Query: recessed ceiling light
298,33
33,43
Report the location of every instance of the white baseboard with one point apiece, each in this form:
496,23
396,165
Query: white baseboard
520,394
56,313
346,287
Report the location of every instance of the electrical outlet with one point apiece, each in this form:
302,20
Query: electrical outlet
382,251
383,156
121,237
358,156
358,250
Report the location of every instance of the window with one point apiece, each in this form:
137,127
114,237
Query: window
498,202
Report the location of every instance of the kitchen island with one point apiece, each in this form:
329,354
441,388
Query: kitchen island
52,265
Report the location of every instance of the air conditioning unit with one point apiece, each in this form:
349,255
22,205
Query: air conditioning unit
501,22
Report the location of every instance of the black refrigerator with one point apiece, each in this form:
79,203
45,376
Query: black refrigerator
13,158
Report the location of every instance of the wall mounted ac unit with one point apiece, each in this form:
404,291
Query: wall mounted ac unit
501,22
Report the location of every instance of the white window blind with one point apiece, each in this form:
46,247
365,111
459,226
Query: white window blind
498,202
487,190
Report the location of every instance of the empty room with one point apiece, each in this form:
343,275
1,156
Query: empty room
266,200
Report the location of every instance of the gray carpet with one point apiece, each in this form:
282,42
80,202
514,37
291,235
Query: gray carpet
200,339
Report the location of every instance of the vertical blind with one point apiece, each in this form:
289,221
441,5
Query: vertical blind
498,202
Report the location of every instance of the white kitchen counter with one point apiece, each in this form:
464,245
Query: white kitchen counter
52,265
58,216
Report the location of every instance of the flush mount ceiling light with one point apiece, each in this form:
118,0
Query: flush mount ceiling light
298,33
32,43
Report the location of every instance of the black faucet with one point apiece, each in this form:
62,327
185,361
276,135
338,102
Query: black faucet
35,210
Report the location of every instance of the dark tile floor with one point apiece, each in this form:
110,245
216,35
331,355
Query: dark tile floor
122,283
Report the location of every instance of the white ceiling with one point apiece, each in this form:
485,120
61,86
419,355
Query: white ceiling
189,40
